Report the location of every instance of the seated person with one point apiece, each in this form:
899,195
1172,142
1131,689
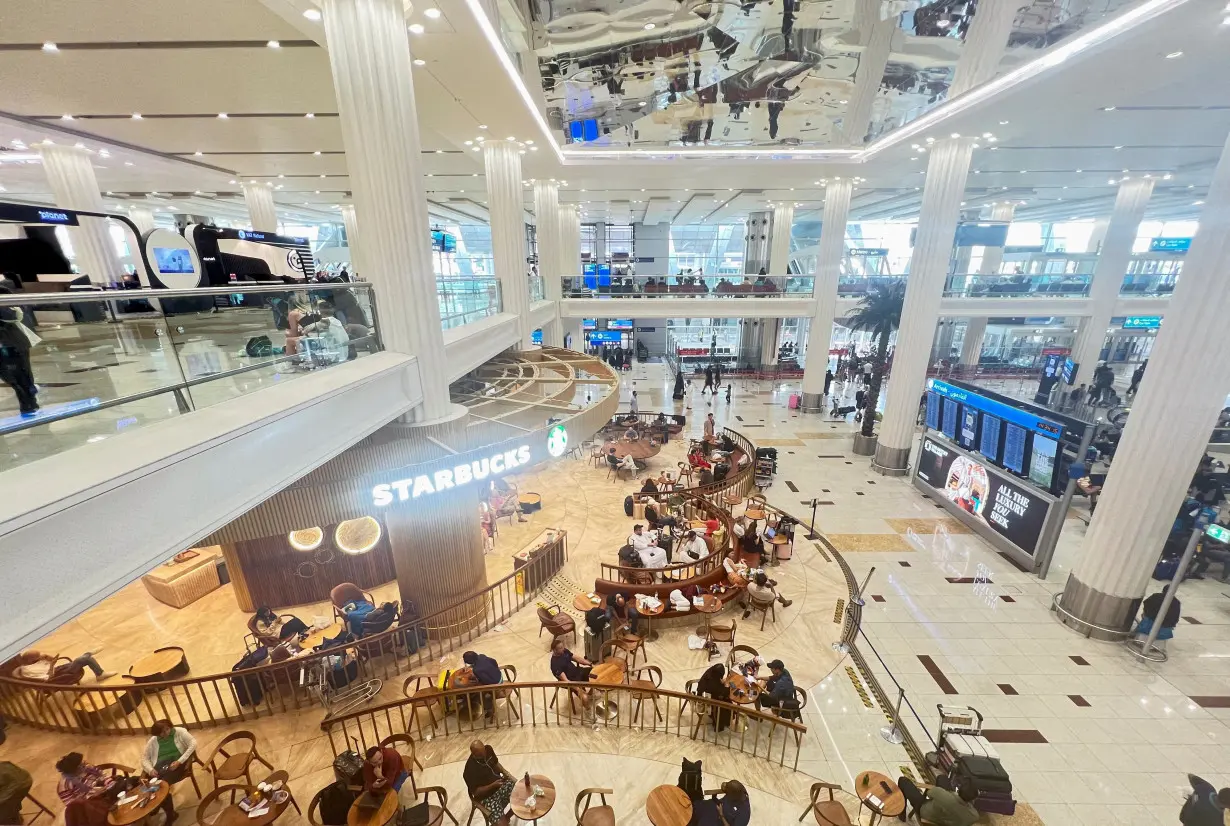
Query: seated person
168,751
489,784
664,482
939,805
39,666
650,486
487,672
697,460
693,548
711,684
629,464
1204,804
763,590
778,689
640,538
1150,608
567,666
732,809
269,624
83,787
653,556
621,612
383,770
15,784
736,570
705,477
656,519
334,340
631,434
711,526
355,612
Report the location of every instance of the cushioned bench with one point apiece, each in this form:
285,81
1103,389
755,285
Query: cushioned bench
662,590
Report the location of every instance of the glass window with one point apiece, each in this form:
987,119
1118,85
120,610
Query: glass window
618,239
717,249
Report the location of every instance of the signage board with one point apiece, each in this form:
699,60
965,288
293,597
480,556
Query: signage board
1013,511
619,324
1218,533
1006,413
606,337
1170,244
1142,322
536,337
1069,371
557,441
496,464
25,214
589,324
859,252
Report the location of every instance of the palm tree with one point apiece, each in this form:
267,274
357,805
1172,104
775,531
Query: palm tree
879,313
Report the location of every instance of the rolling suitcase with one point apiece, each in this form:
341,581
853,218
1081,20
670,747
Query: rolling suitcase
986,773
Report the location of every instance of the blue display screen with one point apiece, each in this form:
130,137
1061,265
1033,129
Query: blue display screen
1013,415
981,235
1069,371
1042,461
988,445
605,337
589,323
969,428
536,336
173,260
1014,448
949,427
933,411
619,324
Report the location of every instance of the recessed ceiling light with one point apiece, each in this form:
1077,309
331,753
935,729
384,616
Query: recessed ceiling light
223,116
418,61
955,135
432,13
1197,203
324,176
317,152
198,153
127,163
1173,55
281,176
312,14
232,182
482,126
136,116
650,26
310,115
533,148
1003,123
469,143
415,28
511,138
1120,146
317,192
473,148
1108,108
273,44
50,47
1080,170
1167,177
66,117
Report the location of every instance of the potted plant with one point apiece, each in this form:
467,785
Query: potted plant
879,312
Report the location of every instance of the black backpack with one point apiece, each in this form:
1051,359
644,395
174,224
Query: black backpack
628,505
248,690
690,780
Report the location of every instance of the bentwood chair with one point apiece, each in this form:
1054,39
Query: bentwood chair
588,815
559,624
41,808
236,760
436,813
638,680
831,812
732,661
208,809
510,693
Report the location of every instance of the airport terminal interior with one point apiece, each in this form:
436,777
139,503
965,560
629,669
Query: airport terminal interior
683,413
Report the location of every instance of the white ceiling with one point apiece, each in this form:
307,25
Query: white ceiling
1171,116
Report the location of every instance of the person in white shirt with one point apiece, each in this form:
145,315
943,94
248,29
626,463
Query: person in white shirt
335,342
629,464
640,539
636,406
694,547
653,557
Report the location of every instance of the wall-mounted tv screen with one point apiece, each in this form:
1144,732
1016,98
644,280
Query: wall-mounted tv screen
949,427
933,411
619,324
1014,448
1042,461
988,444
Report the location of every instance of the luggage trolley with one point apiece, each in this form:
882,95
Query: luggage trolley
766,466
334,700
965,754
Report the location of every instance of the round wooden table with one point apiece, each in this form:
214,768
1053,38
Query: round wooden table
782,548
639,450
530,502
732,499
131,812
164,664
382,814
754,513
709,605
318,636
668,806
583,603
891,802
610,672
649,614
742,690
235,816
93,708
542,802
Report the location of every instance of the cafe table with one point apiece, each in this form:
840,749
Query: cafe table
318,636
140,806
709,605
879,794
668,806
743,691
378,816
234,816
163,664
583,603
608,673
649,614
640,449
519,799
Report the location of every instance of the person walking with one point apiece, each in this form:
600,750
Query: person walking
1137,375
15,369
708,378
635,405
828,381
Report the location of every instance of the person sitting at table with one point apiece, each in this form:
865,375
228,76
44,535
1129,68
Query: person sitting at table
711,526
168,751
656,519
704,476
749,543
383,769
489,784
567,666
763,590
712,685
694,548
487,672
269,624
355,612
36,665
629,464
15,784
940,806
621,612
640,539
88,795
650,486
733,809
632,434
778,689
664,482
696,458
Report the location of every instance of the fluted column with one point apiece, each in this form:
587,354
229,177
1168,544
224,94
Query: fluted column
370,56
1130,202
992,257
984,44
1173,413
570,240
351,223
876,36
573,327
547,226
971,345
507,209
142,217
71,176
828,271
756,245
261,212
947,169
768,341
779,242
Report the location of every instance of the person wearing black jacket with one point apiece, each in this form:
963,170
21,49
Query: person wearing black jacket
15,370
1205,806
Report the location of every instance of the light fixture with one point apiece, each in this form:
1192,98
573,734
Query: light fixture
223,116
50,47
1173,55
273,44
533,148
198,153
418,61
1167,177
431,13
650,26
511,138
312,14
136,116
415,28
310,115
66,117
317,152
232,182
281,175
1003,123
1120,146
469,143
1197,203
307,539
482,126
1079,171
955,135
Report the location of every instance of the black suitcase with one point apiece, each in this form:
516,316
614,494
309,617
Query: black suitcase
986,773
348,767
248,690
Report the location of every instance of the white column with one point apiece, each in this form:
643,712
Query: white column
261,212
506,206
984,45
370,56
546,222
351,222
876,37
779,243
756,246
971,346
569,241
142,217
71,176
993,257
1172,415
1130,202
1098,236
768,341
572,326
820,330
947,169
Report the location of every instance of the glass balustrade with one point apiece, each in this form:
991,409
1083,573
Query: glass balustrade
1052,285
657,286
856,286
536,288
466,300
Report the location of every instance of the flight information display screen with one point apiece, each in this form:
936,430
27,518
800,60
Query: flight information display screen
1014,448
988,445
949,427
968,435
933,411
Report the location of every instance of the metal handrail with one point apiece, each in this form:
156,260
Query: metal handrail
81,296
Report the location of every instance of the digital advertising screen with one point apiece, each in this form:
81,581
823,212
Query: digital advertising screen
968,434
619,324
1011,510
536,337
1069,371
933,411
173,260
589,324
1042,461
988,445
1014,448
949,427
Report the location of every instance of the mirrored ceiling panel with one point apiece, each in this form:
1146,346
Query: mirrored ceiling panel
822,74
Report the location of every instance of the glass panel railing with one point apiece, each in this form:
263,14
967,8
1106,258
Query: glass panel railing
537,292
856,286
1148,284
676,286
1068,285
465,300
83,366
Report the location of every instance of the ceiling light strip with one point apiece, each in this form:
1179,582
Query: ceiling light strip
493,39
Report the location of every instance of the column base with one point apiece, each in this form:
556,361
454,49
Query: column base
1094,614
812,403
865,445
891,461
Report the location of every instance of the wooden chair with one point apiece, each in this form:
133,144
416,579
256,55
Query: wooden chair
765,608
795,714
236,793
422,690
829,812
606,654
267,640
689,688
237,764
630,645
41,808
344,594
284,776
312,817
731,660
723,633
685,474
575,690
588,815
559,624
113,770
510,693
639,697
596,456
436,813
408,756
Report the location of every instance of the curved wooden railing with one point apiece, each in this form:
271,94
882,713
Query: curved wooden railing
694,507
239,696
539,704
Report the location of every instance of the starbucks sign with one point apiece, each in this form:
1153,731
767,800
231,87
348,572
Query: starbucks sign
557,441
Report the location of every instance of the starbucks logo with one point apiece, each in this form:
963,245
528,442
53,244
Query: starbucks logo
557,440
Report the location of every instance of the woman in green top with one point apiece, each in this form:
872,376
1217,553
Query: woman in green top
168,752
